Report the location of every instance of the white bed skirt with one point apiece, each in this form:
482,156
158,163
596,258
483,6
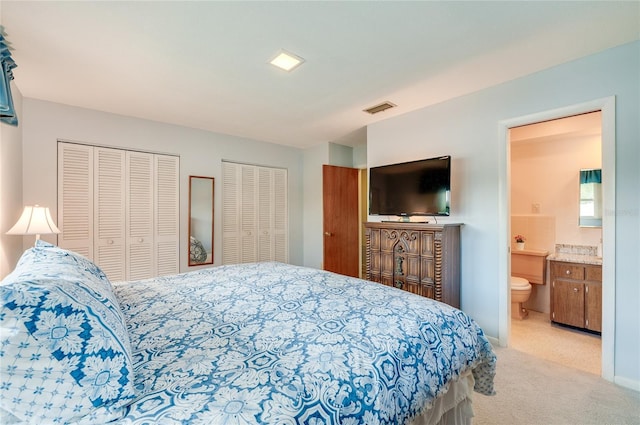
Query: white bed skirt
453,407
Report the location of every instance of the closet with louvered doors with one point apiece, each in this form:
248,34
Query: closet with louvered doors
254,214
120,209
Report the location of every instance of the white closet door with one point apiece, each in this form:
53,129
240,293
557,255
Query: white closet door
167,214
75,198
139,195
265,214
248,214
230,213
109,212
254,214
280,223
239,209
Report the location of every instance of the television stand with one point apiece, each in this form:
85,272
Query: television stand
420,258
405,222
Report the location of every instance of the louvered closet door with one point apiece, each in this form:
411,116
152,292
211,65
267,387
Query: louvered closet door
280,227
167,215
265,216
240,228
139,195
75,198
109,212
230,213
272,215
248,210
255,218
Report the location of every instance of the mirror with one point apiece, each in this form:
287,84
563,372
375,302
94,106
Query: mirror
200,220
590,198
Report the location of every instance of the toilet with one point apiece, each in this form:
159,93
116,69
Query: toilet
520,292
527,267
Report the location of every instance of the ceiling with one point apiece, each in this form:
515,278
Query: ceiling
562,129
204,64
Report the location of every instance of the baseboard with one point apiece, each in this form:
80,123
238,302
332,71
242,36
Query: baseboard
627,383
494,341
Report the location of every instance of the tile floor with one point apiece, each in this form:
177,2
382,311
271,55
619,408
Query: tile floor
536,335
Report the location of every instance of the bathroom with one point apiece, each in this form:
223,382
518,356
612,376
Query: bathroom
545,166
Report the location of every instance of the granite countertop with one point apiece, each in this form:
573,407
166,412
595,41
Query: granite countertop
575,258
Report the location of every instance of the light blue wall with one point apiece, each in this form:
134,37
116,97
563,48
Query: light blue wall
201,153
314,158
467,129
11,187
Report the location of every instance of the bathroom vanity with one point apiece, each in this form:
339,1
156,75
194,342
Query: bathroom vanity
576,291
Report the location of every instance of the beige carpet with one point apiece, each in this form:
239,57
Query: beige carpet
540,390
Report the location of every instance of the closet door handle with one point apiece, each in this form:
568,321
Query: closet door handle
328,234
575,289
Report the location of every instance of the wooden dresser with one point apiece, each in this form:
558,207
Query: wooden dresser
419,258
576,294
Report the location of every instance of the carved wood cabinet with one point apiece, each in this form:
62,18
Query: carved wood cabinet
420,258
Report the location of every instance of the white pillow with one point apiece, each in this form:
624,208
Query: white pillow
65,351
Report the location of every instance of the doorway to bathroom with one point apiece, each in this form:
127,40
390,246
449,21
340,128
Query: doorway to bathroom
538,185
545,162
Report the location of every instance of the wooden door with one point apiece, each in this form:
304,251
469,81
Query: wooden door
593,306
340,220
568,303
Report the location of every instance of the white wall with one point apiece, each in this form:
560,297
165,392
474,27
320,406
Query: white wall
467,128
201,153
314,158
547,173
11,187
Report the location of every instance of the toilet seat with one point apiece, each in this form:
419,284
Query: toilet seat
519,283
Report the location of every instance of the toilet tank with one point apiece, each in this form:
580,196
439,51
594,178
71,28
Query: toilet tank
530,264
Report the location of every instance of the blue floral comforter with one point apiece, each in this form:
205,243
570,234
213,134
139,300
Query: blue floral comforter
270,343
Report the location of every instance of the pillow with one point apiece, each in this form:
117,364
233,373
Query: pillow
65,351
197,253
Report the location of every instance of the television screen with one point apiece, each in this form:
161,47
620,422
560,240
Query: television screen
411,188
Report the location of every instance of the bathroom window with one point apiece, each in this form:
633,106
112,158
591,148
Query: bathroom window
587,200
590,198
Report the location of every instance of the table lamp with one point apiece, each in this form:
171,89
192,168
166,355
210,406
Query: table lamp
35,220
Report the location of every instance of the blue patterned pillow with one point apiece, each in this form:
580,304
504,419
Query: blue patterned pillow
65,353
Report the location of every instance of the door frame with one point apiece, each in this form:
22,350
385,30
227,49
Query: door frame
607,107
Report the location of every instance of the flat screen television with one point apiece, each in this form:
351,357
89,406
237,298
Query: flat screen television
411,188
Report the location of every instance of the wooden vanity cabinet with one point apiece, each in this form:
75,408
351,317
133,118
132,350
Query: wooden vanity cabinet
420,258
576,295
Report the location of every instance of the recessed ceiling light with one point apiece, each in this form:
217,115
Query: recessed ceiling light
287,61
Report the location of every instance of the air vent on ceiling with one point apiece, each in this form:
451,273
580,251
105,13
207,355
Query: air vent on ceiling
380,108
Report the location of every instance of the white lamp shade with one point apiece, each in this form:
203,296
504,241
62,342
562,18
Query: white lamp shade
34,220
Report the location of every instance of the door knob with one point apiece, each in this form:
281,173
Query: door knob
328,234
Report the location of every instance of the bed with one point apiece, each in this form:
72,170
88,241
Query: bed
263,343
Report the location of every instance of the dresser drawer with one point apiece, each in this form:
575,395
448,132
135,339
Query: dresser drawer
593,273
427,243
567,271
